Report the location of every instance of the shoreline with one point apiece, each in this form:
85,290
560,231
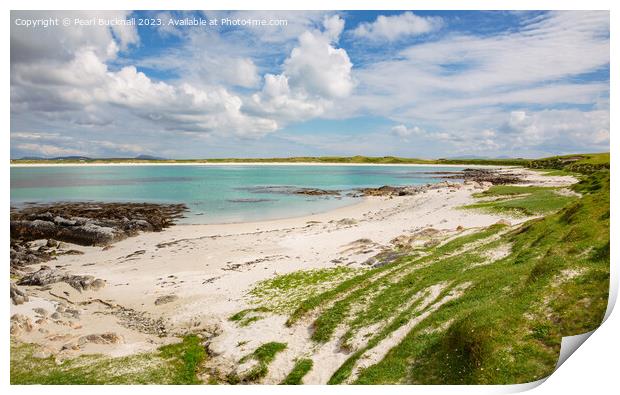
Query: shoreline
120,164
204,273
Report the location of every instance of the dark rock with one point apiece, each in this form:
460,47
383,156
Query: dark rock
165,299
87,224
47,275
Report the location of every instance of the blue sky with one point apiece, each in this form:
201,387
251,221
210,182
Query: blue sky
407,83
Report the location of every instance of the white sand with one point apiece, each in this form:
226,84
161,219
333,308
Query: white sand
211,268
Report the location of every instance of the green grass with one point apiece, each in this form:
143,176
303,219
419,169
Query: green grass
264,355
521,200
507,327
579,163
301,368
248,316
282,293
552,281
172,364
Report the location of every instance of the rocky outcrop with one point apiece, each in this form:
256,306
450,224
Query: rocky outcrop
492,176
47,275
37,231
291,190
409,190
91,223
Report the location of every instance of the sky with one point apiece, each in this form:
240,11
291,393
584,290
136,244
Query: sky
425,84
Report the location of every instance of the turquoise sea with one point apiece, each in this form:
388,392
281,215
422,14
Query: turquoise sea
214,194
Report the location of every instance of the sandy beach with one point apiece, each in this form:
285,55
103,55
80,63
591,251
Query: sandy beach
192,278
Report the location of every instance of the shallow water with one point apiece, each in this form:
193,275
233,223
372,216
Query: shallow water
214,194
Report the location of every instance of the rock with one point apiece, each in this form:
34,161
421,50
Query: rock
503,222
85,283
51,243
103,338
41,311
39,231
89,234
460,228
74,346
47,275
165,299
72,313
484,176
18,296
20,324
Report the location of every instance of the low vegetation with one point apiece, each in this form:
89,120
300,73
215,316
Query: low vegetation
172,364
301,368
488,307
263,356
522,201
282,293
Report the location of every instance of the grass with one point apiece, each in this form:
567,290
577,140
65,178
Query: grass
507,326
248,316
301,368
264,355
579,163
172,364
521,200
281,293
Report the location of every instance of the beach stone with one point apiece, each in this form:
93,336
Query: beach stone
41,311
165,299
102,338
18,296
20,324
47,275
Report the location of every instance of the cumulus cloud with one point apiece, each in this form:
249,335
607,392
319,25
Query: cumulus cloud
315,74
511,92
319,68
392,28
80,86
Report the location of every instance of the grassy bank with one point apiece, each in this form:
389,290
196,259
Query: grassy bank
488,307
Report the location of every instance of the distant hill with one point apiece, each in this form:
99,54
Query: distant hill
148,157
87,158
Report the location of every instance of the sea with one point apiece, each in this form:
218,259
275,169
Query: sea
214,193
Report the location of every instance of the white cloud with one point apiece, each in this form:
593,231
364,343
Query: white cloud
455,92
334,25
81,87
47,149
391,28
319,68
404,132
315,74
